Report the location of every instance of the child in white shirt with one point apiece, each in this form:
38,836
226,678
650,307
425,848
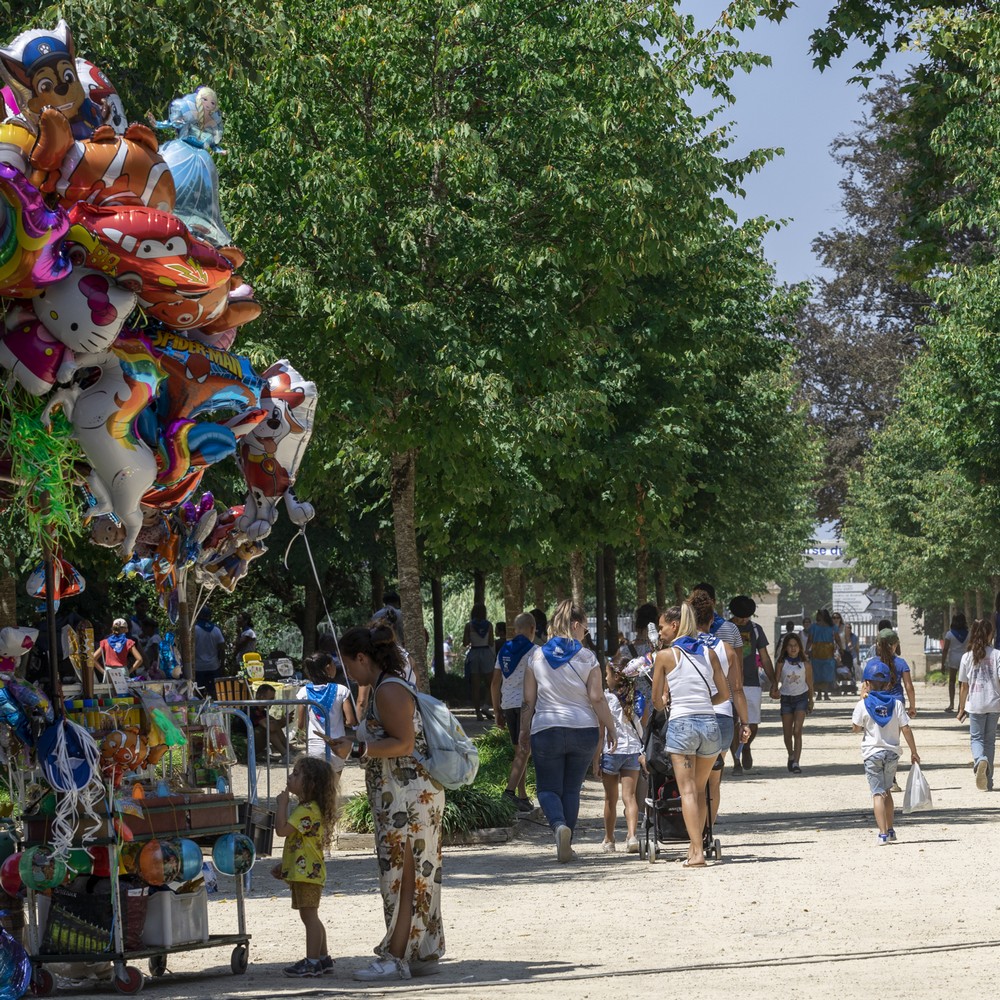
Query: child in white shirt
881,719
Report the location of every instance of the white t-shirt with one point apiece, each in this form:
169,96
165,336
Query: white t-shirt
983,679
562,692
512,687
876,737
315,729
718,646
793,678
628,733
956,649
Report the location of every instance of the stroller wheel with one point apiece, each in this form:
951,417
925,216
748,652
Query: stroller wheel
717,849
651,851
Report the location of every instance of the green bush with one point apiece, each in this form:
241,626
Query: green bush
936,677
471,808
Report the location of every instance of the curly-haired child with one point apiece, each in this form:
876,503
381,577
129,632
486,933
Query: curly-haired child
308,830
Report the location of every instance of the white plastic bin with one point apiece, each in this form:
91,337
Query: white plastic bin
173,919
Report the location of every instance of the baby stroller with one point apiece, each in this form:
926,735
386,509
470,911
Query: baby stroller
662,821
846,683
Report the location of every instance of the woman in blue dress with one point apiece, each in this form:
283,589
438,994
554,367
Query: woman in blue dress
822,641
196,120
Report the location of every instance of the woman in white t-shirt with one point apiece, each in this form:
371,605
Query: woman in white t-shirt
630,710
320,687
979,699
956,642
563,711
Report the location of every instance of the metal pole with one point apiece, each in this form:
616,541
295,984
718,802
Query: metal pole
50,621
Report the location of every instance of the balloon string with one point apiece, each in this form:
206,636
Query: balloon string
326,611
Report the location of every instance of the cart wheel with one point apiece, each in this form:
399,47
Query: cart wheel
717,849
42,982
240,959
158,966
652,851
128,980
643,845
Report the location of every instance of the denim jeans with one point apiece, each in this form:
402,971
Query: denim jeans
983,737
562,756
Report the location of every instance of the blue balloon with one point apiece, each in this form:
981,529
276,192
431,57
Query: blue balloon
191,860
15,968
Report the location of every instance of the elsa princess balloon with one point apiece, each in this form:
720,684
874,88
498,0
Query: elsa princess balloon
198,124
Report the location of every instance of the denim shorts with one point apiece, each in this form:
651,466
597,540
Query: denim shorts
615,763
727,729
792,703
880,770
694,735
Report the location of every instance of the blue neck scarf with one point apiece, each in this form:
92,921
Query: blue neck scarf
117,641
717,620
480,626
325,694
690,644
206,624
512,652
559,650
960,633
880,705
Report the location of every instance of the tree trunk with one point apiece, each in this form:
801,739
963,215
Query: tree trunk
979,604
478,587
601,638
560,593
539,589
310,615
437,603
8,600
378,589
678,591
513,596
967,606
611,598
576,576
660,579
641,576
403,477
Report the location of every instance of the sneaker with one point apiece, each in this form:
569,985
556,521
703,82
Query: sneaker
525,805
564,835
737,767
509,796
791,764
384,968
305,967
883,839
982,767
327,963
418,969
795,767
608,847
891,834
632,845
747,757
895,787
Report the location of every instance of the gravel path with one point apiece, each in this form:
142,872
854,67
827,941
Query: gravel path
803,904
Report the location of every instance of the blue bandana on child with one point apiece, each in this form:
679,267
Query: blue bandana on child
717,620
512,652
480,626
117,641
690,644
880,705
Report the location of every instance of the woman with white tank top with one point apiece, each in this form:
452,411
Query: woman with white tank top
689,678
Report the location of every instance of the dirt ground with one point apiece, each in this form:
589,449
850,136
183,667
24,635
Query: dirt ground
803,903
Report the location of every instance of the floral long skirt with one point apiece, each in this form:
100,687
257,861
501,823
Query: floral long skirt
408,806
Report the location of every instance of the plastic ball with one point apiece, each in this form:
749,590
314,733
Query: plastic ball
10,875
159,862
40,869
79,862
191,860
234,854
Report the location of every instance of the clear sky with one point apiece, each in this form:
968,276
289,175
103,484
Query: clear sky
796,107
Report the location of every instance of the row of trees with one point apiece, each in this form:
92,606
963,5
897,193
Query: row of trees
500,239
904,335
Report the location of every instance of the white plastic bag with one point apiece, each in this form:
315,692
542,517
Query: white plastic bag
918,792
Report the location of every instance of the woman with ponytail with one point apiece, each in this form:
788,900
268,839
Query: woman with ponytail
390,742
979,699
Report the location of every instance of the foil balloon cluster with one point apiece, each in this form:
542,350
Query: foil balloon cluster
122,302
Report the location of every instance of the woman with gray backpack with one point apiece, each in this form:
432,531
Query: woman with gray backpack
392,745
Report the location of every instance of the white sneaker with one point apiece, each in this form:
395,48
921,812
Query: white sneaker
632,845
981,774
564,835
608,847
384,968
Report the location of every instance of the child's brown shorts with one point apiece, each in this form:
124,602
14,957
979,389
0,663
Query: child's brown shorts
306,895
